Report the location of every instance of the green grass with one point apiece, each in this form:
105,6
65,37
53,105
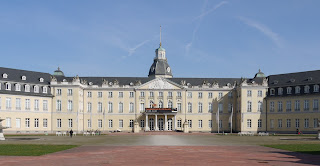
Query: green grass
302,148
31,150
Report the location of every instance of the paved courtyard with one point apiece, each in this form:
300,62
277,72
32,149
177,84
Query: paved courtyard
165,149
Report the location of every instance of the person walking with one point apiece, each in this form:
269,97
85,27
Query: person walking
71,133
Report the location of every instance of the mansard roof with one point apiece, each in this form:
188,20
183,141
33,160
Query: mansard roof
15,75
293,79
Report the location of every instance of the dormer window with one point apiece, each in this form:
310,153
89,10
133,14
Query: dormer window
8,86
45,89
272,91
18,87
297,89
306,89
315,88
41,79
36,89
5,75
27,88
24,78
280,91
289,90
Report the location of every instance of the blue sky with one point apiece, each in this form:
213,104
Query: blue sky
202,38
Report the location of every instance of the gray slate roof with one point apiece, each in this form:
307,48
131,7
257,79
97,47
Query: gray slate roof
160,68
292,79
33,77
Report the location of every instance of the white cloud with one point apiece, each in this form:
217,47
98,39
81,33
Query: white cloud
263,29
204,13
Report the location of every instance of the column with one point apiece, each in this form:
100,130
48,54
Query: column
175,123
147,124
156,125
166,122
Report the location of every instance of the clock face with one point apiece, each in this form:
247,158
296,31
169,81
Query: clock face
168,69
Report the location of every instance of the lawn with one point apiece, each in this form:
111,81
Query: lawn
302,148
31,150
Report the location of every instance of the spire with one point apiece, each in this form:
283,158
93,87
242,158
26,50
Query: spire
160,35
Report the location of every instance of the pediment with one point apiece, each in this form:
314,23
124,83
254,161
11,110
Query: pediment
160,83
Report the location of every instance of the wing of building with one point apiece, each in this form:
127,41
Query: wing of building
35,102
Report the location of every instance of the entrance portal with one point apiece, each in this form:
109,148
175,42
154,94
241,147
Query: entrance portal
160,124
170,124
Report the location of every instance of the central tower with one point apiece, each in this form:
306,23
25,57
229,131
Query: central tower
160,66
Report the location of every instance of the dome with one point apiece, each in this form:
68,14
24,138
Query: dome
260,75
58,72
161,49
160,68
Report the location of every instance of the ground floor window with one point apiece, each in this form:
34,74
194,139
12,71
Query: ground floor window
190,123
120,123
297,123
271,123
45,123
220,123
59,123
306,123
142,123
131,123
70,123
288,123
36,122
89,123
248,123
259,123
18,123
110,123
315,122
100,123
200,123
279,123
179,123
210,123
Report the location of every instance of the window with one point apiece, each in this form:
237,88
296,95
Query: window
289,90
190,123
131,94
18,87
189,107
297,89
179,107
110,94
59,123
179,94
69,105
27,122
279,106
69,92
120,123
315,123
89,123
110,107
160,94
199,107
8,122
89,94
210,123
306,123
58,92
272,123
8,86
36,104
230,107
141,94
41,80
249,93
169,94
45,123
36,122
45,105
306,105
120,107
315,104
220,95
210,109
288,123
89,106
18,104
18,123
297,123
110,123
297,105
189,94
45,89
199,95
151,94
120,94
279,123
306,89
220,124
24,78
315,88
100,107
5,75
170,105
248,123
179,124
142,123
99,94
259,106
272,91
160,104
27,104
220,107
288,106
131,107
36,89
259,93
99,123
8,103
131,123
210,95
199,123
141,107
259,123
280,91
249,106
27,88
230,94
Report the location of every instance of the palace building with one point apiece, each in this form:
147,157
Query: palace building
35,102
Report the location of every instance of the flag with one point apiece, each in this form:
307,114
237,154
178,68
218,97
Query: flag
217,116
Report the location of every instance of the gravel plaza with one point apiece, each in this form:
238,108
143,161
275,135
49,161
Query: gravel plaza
164,148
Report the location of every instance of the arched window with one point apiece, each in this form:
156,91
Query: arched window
297,89
289,90
170,105
189,107
41,79
316,88
27,88
18,87
160,104
151,104
5,75
24,78
36,89
259,106
8,86
45,89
